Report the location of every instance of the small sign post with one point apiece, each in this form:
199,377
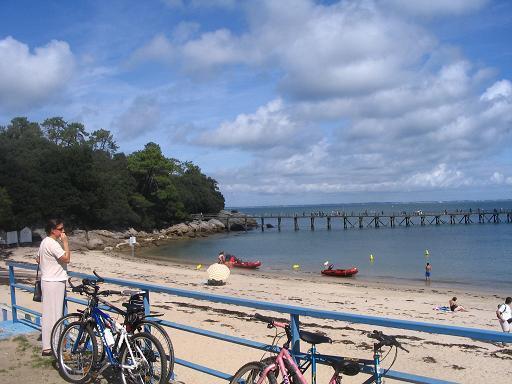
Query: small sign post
132,242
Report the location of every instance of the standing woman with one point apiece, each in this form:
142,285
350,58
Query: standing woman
53,259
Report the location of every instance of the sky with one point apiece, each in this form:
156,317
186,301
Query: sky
282,102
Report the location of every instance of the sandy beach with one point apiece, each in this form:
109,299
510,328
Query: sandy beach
443,357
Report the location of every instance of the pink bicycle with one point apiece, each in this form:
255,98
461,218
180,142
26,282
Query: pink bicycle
283,364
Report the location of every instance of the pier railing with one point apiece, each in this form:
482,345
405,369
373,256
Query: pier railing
363,219
33,320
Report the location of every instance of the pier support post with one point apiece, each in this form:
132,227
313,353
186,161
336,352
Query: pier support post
296,223
329,223
438,219
245,224
360,221
312,223
392,221
262,224
407,221
422,220
279,223
376,219
344,222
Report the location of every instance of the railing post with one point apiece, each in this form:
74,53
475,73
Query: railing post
13,294
147,310
147,305
294,327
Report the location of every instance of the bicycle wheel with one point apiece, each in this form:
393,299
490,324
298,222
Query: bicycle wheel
59,327
146,364
77,352
161,335
250,374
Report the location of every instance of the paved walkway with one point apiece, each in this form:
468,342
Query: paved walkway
9,329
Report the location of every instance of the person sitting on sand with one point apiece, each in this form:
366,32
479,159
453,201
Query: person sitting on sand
454,307
221,257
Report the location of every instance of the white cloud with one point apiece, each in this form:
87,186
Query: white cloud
439,177
158,49
435,7
200,3
32,78
269,126
500,89
140,118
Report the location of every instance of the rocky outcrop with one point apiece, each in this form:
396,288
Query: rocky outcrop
236,221
109,241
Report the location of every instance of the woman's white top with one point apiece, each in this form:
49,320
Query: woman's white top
50,251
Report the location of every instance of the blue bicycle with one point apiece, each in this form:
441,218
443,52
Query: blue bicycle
138,358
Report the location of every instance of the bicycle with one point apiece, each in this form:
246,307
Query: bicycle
138,358
135,321
269,369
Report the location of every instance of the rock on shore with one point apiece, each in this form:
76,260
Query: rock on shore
101,239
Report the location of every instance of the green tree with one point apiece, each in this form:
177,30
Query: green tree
54,128
6,215
102,140
156,200
198,192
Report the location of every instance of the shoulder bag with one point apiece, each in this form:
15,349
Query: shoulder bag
37,288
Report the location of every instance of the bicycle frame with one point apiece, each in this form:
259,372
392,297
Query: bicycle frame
312,359
100,318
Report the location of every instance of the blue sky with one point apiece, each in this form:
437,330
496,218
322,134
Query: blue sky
282,102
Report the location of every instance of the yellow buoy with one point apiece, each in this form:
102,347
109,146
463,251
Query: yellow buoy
199,266
296,266
372,259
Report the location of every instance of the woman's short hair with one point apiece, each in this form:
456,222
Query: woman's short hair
52,224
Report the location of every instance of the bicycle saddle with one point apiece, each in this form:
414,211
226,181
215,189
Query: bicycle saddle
314,338
130,307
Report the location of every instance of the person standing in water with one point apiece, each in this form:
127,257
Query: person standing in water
428,270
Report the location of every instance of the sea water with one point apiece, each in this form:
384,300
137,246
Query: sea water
473,255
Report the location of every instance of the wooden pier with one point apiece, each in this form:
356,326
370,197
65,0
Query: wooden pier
369,220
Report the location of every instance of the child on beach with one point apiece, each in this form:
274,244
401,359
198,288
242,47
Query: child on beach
428,269
454,307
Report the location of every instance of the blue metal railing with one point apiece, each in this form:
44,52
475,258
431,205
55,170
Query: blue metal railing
293,311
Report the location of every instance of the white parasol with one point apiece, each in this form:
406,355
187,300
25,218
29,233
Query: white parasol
218,272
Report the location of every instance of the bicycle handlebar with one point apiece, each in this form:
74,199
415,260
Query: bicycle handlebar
87,284
271,323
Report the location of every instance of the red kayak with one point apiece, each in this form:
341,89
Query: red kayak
340,272
247,264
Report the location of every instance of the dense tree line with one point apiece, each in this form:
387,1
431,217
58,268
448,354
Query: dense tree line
58,169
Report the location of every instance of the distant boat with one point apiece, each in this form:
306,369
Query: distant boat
340,272
236,262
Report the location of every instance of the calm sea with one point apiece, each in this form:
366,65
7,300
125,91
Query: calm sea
474,255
